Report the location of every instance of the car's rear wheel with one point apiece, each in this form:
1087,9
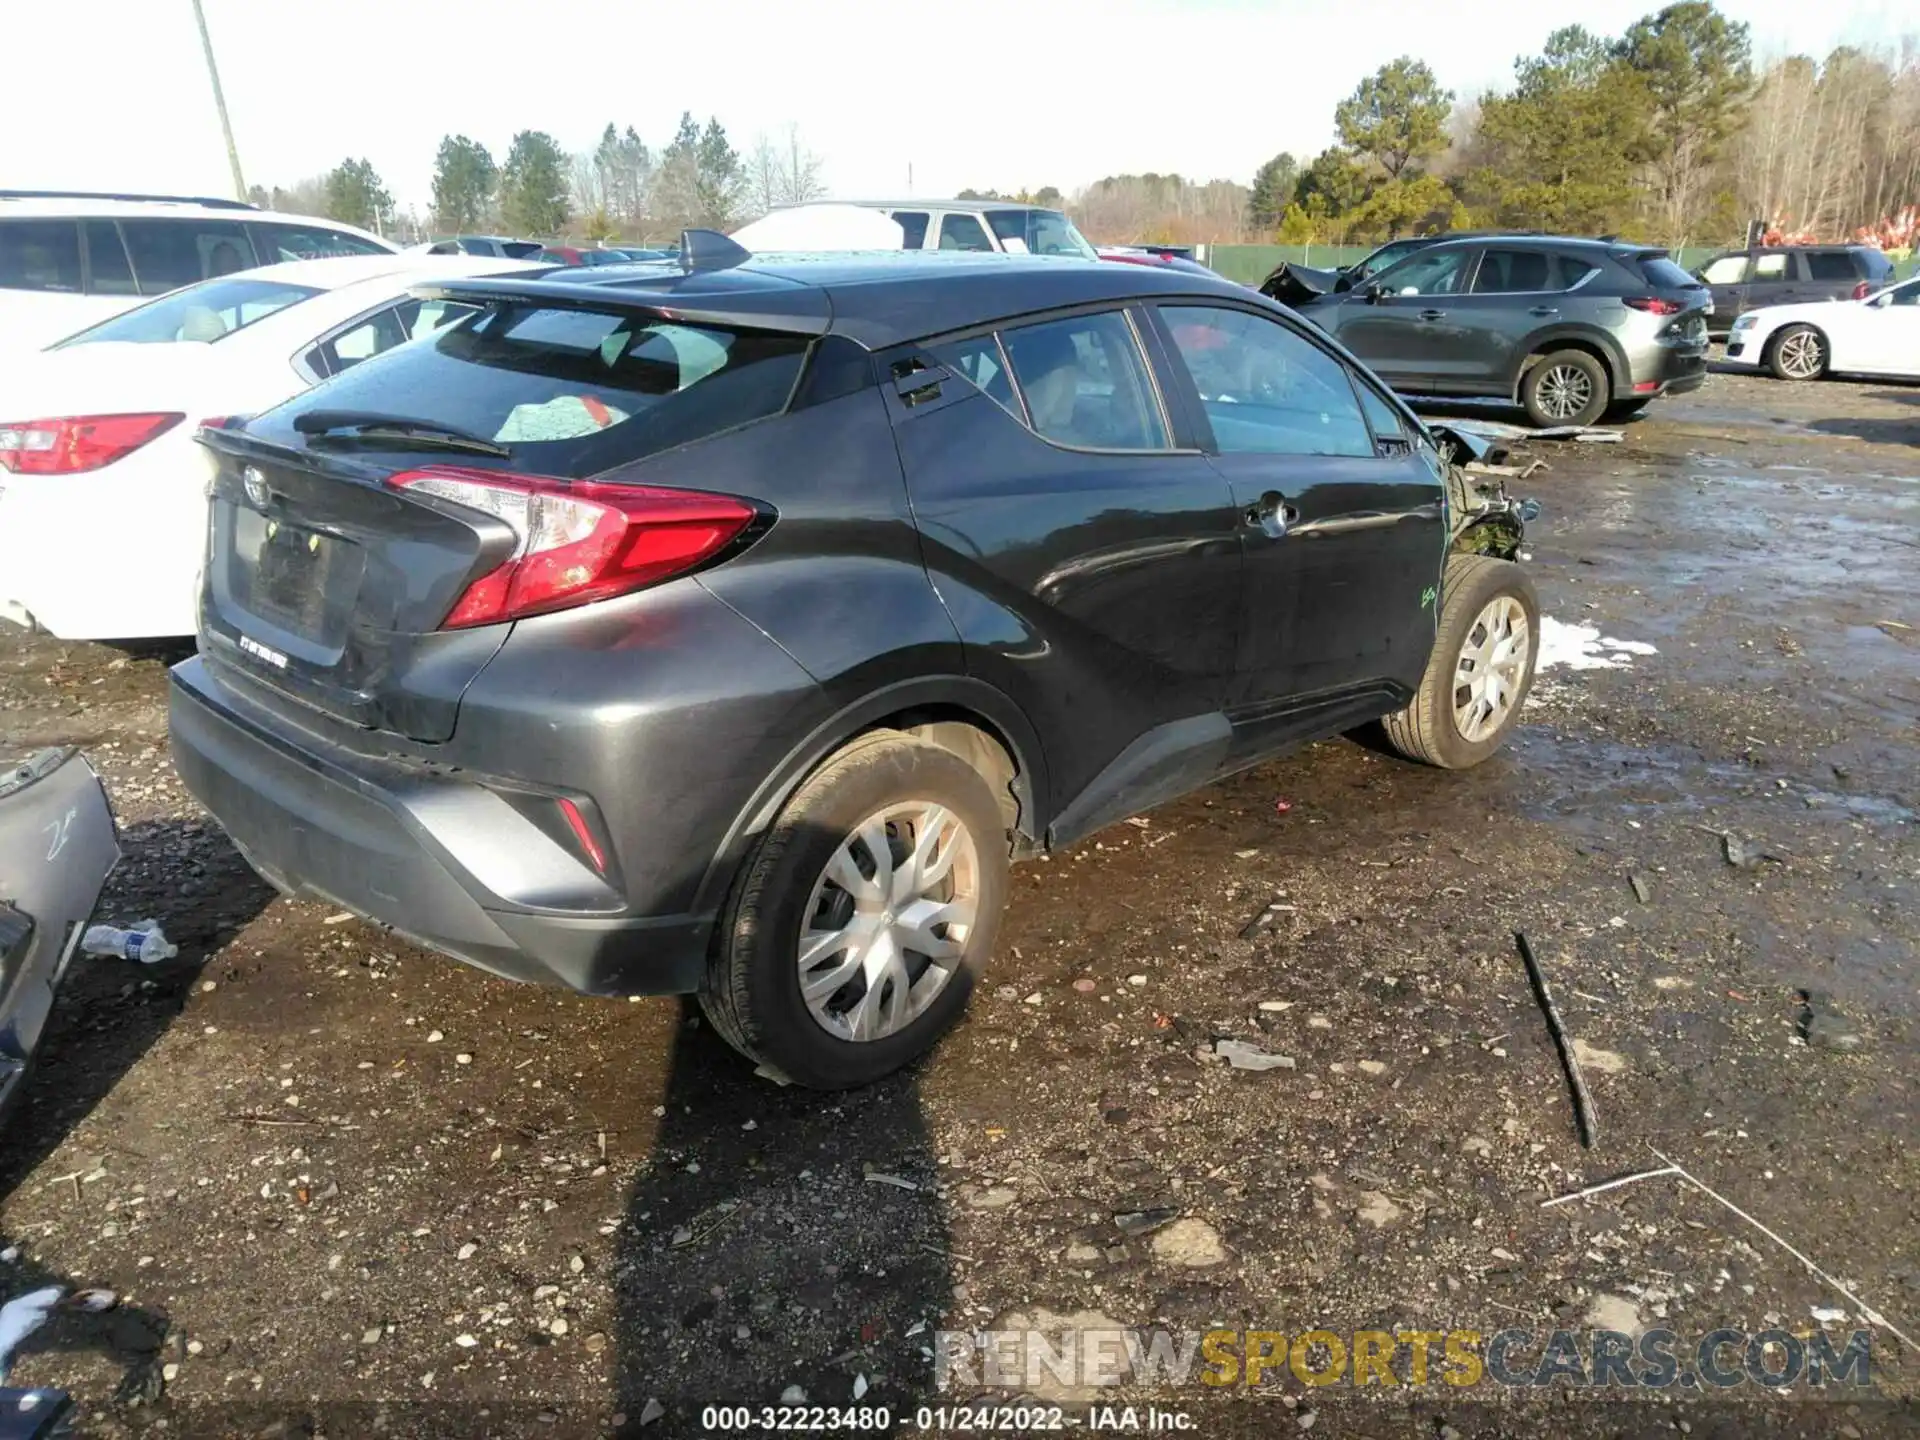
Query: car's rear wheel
1798,352
1480,670
1566,387
855,931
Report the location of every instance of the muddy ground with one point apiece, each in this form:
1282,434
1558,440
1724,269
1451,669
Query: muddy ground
345,1187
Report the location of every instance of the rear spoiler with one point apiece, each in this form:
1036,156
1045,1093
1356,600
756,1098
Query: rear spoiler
796,309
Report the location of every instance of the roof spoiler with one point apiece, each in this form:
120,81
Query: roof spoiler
710,250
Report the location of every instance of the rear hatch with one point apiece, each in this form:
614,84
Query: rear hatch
1672,283
335,578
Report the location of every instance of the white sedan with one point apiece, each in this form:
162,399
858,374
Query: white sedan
102,488
1879,335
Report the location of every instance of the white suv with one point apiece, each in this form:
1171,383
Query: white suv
68,261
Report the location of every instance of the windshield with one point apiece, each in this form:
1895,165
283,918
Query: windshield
203,313
1040,232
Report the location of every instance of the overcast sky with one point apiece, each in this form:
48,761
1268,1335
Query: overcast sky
984,93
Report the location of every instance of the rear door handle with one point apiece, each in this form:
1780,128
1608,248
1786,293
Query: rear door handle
1272,516
1433,314
1544,310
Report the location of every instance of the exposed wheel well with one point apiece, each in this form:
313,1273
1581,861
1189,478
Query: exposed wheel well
1586,347
971,737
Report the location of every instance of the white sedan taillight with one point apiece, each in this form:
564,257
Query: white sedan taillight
75,444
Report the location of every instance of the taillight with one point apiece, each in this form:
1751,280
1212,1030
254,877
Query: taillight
1862,290
583,833
1654,304
580,540
75,444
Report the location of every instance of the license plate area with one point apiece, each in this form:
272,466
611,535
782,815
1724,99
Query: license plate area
299,580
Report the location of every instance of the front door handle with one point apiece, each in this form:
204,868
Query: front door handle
1544,310
1272,516
1433,314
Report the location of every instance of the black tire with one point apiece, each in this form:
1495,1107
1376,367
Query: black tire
1427,730
1552,375
1806,361
752,991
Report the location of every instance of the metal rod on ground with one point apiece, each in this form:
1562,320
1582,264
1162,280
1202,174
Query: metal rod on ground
1582,1098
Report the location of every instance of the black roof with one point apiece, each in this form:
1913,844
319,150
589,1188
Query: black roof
878,299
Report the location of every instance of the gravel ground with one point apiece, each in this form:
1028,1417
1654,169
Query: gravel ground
345,1187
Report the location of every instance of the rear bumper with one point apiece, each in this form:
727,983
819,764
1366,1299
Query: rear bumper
1667,366
410,850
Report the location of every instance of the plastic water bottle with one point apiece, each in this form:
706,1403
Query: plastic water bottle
145,942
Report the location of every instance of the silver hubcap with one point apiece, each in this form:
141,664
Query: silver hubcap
1492,663
1565,390
1800,355
889,920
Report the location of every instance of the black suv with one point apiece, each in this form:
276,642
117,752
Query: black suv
1743,280
1573,330
729,627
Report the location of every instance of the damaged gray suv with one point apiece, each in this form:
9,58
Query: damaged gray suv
729,627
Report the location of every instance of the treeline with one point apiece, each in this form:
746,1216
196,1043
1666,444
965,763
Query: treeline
622,189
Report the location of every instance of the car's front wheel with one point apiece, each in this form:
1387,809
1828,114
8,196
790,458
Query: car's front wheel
1566,387
855,931
1481,668
1798,352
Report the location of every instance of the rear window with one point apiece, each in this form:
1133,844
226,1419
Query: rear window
204,313
1039,232
40,255
576,391
1659,270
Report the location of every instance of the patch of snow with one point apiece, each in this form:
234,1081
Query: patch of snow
1583,647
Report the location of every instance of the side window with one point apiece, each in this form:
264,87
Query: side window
108,272
1771,267
963,232
170,253
1085,383
301,242
1727,270
1267,390
1570,270
984,364
425,317
1831,265
1433,272
40,255
367,338
1382,418
1511,272
913,228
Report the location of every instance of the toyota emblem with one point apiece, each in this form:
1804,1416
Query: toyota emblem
256,485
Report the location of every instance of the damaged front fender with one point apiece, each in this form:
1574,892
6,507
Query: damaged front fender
1483,519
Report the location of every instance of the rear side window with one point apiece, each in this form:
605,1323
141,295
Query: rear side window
913,228
40,255
1727,270
382,331
170,253
203,313
963,232
1831,265
1772,267
1659,270
579,390
984,364
304,242
1085,383
1511,272
108,272
1265,389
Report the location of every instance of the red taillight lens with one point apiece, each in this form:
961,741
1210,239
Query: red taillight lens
1655,304
580,540
75,444
1862,290
577,823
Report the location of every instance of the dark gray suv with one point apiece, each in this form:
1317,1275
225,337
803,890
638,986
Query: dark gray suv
1743,280
730,627
1572,330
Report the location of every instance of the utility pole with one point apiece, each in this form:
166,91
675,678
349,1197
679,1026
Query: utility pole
220,104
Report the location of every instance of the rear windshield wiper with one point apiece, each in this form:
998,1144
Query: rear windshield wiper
352,425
